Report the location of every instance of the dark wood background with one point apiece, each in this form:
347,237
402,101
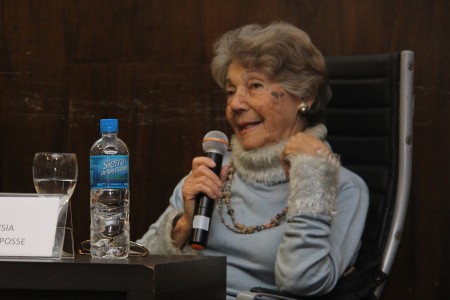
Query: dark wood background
64,64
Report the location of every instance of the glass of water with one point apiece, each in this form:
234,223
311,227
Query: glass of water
55,173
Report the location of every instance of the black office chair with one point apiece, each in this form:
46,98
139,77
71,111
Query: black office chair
370,125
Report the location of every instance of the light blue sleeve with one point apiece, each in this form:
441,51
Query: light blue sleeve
158,237
316,250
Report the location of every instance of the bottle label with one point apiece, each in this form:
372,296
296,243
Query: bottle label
109,171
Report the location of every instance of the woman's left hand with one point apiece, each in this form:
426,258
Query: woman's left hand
303,143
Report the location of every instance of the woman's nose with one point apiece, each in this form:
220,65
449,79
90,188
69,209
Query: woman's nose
239,100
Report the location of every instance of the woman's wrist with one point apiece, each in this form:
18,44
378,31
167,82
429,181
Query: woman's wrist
181,230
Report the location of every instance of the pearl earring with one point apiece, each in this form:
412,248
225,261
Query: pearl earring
303,108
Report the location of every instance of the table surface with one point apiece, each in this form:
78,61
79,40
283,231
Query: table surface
153,275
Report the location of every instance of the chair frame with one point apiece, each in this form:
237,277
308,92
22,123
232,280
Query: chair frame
405,162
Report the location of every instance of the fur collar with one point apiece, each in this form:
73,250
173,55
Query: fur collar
263,164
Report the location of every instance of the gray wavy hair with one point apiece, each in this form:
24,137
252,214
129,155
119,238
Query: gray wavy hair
284,53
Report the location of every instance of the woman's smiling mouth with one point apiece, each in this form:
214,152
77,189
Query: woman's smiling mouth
247,126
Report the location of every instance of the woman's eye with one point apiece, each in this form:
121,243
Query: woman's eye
229,93
256,85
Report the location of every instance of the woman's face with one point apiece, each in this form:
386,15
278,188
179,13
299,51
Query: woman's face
260,111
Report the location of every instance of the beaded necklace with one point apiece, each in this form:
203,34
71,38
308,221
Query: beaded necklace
236,226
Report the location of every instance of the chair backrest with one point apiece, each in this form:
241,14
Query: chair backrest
370,125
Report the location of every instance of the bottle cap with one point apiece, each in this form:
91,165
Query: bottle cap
109,125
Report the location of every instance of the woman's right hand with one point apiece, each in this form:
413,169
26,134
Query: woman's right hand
200,180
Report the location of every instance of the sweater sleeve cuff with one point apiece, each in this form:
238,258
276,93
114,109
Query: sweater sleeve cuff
314,182
161,241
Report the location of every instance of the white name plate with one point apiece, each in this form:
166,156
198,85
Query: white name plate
28,224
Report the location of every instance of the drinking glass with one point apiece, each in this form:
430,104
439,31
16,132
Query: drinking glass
55,173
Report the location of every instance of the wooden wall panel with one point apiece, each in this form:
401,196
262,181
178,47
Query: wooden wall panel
134,31
64,64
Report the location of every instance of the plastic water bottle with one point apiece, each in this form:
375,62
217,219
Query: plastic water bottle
110,194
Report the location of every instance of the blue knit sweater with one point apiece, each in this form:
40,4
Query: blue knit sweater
308,252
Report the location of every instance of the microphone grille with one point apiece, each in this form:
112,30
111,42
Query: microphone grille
215,141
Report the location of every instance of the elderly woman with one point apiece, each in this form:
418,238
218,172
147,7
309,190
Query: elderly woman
288,216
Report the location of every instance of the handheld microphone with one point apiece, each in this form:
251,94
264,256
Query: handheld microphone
215,144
